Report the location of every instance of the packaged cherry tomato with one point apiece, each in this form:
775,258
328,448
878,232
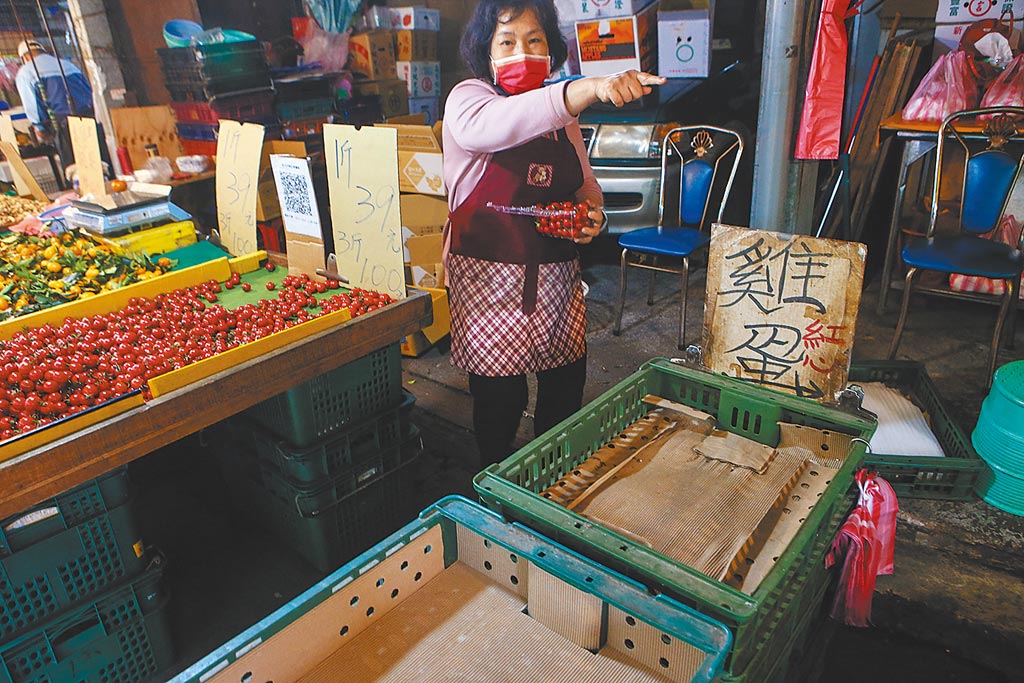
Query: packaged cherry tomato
563,220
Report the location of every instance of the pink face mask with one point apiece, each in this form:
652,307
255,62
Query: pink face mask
521,73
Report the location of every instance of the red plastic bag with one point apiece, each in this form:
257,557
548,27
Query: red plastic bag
822,117
1008,232
948,87
1008,88
865,545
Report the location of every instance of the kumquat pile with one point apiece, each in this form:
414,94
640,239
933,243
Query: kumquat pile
38,272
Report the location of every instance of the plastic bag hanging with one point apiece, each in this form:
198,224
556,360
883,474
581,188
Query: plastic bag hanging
948,87
822,119
1007,90
334,16
864,546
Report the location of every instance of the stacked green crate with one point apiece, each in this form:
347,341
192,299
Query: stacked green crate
63,565
770,622
329,465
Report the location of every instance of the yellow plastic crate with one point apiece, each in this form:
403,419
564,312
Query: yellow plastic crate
160,239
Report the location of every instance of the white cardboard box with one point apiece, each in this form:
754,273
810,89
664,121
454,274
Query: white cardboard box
608,46
423,78
579,10
425,105
415,18
684,41
970,11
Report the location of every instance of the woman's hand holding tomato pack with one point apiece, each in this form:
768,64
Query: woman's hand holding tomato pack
580,222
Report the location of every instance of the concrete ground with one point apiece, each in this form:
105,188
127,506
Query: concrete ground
954,610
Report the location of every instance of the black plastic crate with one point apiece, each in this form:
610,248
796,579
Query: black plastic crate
212,62
204,92
333,532
122,637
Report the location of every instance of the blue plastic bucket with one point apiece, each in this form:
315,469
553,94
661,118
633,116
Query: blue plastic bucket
179,32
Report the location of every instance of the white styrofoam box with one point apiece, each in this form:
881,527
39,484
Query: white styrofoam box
608,46
579,10
415,18
423,78
684,43
426,105
969,11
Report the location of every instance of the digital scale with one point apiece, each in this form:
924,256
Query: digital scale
119,212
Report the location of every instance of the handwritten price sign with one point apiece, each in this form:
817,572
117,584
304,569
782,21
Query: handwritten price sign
362,179
239,147
86,145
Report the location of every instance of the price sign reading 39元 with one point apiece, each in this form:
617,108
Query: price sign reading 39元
239,147
362,178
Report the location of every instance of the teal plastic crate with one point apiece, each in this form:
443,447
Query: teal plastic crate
324,525
950,478
512,488
67,568
350,456
313,108
316,409
122,637
456,530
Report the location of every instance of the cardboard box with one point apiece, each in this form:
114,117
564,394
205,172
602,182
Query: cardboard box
419,18
416,46
422,78
393,98
372,54
418,343
608,46
421,215
267,205
425,252
428,106
420,167
960,12
580,10
684,39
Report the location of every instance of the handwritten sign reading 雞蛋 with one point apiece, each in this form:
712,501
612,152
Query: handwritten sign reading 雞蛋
239,148
781,310
362,179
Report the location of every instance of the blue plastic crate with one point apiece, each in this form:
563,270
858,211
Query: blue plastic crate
575,603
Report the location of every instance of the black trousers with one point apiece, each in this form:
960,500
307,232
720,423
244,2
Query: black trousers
499,402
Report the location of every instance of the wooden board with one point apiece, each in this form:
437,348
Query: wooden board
781,309
136,127
24,181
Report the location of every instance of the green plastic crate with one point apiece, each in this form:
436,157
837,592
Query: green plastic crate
316,409
68,567
455,516
950,478
353,454
325,528
122,637
512,488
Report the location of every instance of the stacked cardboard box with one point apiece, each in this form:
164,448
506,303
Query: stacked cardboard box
416,31
372,57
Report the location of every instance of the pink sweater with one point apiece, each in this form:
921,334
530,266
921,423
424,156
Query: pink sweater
479,121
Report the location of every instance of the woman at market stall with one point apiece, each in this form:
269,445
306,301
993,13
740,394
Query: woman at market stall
516,296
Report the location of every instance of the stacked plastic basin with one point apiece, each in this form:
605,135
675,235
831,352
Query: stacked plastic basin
80,598
999,440
329,466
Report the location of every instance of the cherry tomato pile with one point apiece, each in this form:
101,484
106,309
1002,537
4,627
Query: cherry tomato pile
49,372
569,222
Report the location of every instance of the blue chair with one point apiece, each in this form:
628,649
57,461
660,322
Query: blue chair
989,176
686,234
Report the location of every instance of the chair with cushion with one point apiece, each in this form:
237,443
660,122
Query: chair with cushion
695,153
989,174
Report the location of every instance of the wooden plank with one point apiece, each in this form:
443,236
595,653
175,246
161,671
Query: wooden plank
22,175
43,473
136,127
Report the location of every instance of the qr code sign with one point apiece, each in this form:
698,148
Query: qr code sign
296,194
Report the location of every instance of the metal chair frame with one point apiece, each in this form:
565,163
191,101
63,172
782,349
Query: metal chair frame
1010,293
669,147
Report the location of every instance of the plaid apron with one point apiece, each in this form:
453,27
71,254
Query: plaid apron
516,296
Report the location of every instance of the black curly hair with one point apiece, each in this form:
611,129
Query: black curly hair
475,46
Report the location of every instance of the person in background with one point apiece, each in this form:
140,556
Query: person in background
50,96
516,296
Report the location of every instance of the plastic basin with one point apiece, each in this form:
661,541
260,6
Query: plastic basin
179,32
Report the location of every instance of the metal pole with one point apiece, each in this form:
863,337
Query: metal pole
56,55
783,34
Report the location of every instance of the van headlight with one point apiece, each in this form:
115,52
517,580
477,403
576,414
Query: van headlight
629,140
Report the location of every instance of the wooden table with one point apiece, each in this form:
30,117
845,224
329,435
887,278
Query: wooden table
33,477
919,139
